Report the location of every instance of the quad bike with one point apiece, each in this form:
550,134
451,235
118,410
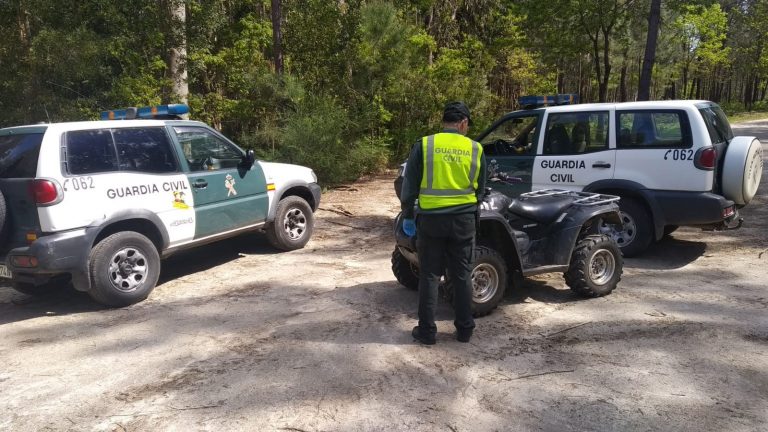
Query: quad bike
544,231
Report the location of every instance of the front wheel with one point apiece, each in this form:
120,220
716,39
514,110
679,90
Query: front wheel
596,266
293,225
488,281
124,269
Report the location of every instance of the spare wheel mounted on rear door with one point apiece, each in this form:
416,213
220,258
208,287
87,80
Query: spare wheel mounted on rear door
742,169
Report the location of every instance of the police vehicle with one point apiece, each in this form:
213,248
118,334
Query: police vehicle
673,163
101,202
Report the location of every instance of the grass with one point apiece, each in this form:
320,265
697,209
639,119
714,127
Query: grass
747,116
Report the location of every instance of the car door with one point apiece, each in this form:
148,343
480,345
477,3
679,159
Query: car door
510,147
650,139
577,149
228,195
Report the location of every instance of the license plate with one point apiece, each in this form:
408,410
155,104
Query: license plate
5,272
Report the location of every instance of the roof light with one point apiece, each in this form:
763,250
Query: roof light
528,102
171,111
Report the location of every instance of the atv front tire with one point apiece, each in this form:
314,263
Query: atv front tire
596,266
488,281
405,272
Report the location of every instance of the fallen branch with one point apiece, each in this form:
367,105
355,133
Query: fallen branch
543,373
347,225
342,212
193,408
566,329
292,429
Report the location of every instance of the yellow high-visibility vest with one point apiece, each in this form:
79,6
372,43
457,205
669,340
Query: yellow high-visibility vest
450,176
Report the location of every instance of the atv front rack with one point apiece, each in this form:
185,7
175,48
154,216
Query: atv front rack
581,198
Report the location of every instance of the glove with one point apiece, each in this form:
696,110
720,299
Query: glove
409,227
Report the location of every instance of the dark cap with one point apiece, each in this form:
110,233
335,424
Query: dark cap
456,111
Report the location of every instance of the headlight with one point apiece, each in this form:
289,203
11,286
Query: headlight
314,176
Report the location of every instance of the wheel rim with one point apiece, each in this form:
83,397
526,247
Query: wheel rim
623,236
485,283
128,269
602,266
295,223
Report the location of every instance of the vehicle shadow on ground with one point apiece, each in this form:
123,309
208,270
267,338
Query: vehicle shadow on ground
15,306
667,254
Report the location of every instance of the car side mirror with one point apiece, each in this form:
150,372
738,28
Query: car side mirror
248,159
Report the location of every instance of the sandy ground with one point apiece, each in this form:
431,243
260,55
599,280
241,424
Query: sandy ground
239,337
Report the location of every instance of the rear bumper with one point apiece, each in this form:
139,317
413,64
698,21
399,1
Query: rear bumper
57,254
693,208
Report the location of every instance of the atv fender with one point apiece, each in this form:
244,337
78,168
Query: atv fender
496,232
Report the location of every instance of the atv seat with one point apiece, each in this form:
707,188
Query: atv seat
543,209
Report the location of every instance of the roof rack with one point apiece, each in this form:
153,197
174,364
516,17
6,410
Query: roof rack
581,198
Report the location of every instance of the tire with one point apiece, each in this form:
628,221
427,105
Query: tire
742,170
293,224
637,232
3,215
596,266
489,281
405,272
123,268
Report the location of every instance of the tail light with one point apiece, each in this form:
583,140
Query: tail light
45,192
705,159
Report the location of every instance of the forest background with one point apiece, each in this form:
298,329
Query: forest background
347,86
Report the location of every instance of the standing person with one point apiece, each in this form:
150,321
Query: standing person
446,172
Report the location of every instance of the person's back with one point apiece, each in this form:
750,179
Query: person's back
446,173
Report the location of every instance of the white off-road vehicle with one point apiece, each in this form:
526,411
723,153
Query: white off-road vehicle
99,203
673,163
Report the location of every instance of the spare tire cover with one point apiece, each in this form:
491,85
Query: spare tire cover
742,169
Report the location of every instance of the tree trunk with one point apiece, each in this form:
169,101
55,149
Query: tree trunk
654,17
622,96
603,89
177,51
277,35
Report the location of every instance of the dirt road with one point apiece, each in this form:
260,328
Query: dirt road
238,337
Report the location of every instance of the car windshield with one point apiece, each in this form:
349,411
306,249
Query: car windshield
18,155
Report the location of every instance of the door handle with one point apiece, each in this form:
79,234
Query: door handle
601,165
200,184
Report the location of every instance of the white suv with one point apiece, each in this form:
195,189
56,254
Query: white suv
100,202
672,162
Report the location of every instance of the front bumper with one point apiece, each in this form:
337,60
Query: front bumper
57,254
316,191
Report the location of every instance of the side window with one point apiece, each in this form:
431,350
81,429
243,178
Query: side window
90,152
205,151
652,129
516,136
576,133
144,150
717,124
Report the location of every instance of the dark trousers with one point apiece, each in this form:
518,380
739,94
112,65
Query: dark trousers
445,241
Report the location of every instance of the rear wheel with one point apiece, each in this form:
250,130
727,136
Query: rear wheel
596,266
124,269
636,233
405,272
293,224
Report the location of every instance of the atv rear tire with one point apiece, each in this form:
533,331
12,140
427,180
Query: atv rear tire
405,272
488,279
596,266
